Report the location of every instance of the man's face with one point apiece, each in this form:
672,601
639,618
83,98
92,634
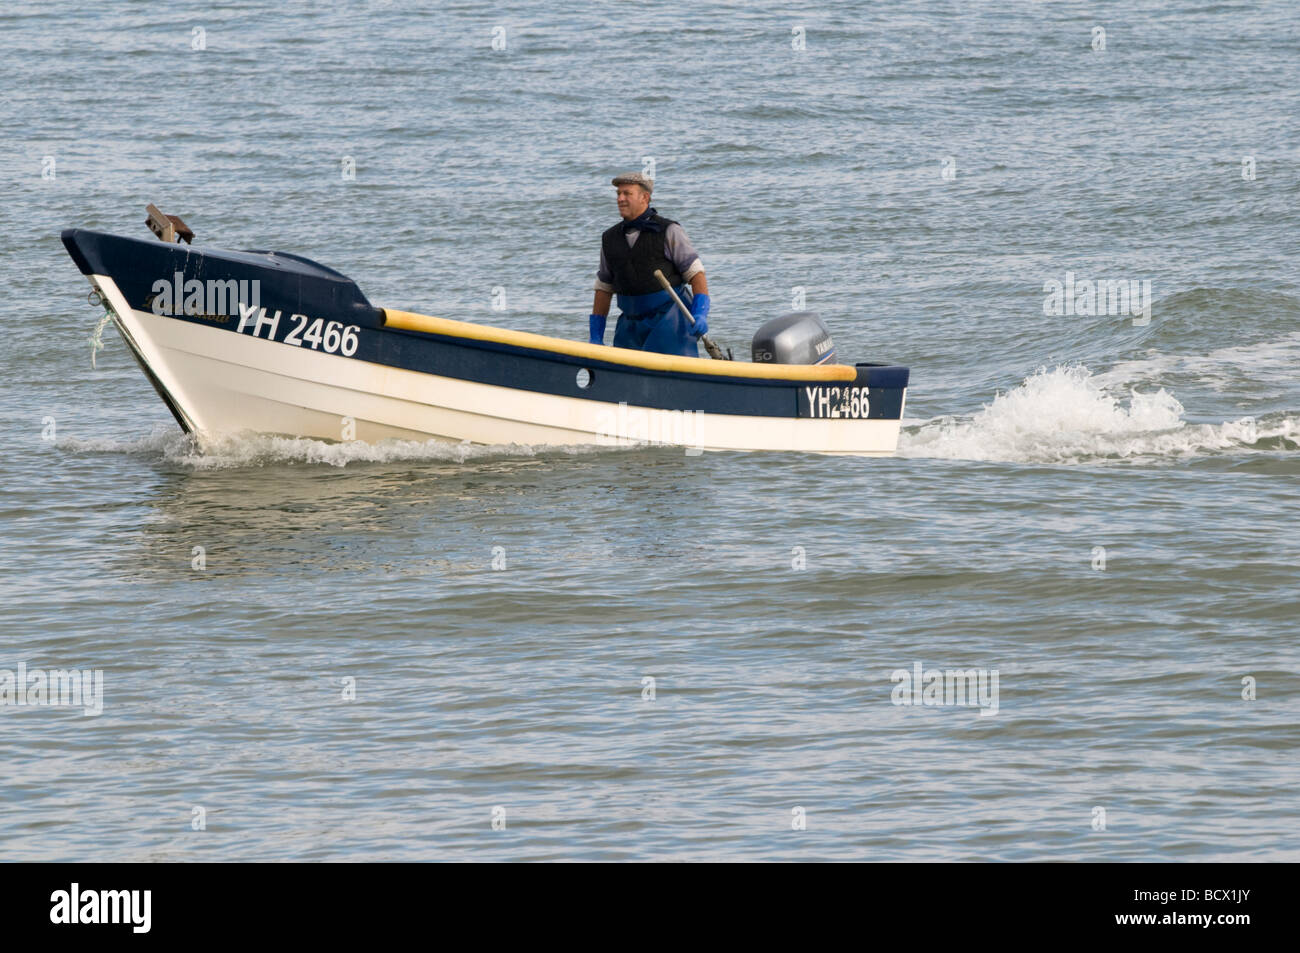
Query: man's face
632,201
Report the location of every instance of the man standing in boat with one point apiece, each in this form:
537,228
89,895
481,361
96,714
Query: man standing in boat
630,253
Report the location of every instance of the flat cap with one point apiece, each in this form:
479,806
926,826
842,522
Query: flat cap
634,178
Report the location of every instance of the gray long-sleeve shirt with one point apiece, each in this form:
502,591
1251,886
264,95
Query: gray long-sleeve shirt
677,249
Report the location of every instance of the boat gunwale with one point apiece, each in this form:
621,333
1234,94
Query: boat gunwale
605,354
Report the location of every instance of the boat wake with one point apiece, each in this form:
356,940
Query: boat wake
255,450
1068,416
1260,370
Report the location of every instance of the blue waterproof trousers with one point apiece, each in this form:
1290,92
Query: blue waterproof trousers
652,322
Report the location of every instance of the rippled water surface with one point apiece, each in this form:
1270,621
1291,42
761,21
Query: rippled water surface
1102,511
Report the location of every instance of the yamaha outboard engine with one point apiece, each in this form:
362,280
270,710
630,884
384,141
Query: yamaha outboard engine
796,338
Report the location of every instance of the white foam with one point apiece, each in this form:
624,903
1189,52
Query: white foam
252,450
1065,415
1271,362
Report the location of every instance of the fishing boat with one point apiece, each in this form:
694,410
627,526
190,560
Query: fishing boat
275,343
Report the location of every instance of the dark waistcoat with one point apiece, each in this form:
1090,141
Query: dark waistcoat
633,269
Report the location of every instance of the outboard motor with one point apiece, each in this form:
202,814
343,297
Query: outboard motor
799,337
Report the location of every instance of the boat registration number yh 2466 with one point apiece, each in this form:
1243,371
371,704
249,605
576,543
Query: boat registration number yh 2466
841,403
333,337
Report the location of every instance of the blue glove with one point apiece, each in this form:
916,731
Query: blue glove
597,322
700,312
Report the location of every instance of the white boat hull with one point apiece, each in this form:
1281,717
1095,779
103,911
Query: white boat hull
223,383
